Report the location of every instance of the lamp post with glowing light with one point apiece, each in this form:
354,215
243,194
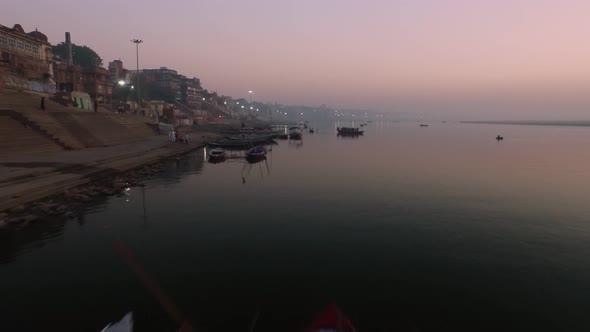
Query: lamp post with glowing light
137,42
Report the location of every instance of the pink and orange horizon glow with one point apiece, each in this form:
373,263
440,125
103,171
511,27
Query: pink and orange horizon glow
466,58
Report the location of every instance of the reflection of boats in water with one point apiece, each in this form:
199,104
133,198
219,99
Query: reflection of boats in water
251,162
216,155
349,131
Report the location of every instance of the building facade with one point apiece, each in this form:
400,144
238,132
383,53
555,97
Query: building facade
191,92
26,54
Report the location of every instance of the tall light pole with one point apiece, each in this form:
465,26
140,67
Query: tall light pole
137,42
250,93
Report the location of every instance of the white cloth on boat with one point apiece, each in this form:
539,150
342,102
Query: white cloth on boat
124,325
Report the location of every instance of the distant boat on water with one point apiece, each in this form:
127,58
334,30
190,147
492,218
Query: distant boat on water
349,131
423,125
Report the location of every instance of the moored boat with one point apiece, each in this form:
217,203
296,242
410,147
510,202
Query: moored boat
256,153
235,142
349,131
295,133
216,155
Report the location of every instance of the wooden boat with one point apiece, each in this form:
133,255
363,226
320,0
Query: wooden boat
216,155
423,125
236,142
331,319
295,133
349,131
251,137
256,153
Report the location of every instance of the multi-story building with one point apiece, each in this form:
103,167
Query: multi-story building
191,92
167,79
26,54
116,70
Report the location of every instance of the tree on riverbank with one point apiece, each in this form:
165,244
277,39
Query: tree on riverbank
82,55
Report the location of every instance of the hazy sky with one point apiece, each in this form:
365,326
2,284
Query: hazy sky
476,58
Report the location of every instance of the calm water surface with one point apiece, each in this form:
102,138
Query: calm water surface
406,228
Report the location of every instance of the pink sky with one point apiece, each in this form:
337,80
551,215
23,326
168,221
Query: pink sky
457,57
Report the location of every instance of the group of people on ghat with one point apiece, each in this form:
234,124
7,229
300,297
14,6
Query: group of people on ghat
177,137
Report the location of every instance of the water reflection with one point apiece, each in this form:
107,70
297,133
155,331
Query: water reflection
261,164
15,242
442,227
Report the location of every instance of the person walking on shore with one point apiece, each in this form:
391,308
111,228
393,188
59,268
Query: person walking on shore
43,103
185,138
173,136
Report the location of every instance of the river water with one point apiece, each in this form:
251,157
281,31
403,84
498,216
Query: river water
406,228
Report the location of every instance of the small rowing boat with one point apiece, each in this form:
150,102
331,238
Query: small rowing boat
216,155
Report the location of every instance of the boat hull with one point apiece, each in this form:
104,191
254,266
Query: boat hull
351,133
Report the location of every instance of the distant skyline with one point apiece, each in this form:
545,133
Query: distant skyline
465,59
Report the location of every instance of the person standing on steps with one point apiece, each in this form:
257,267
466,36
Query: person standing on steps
95,105
43,103
185,138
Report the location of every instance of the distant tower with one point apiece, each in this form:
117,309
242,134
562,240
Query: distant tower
69,57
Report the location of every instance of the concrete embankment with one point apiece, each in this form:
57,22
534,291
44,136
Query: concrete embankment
26,179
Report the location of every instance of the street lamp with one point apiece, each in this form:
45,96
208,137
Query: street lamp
121,82
137,42
250,93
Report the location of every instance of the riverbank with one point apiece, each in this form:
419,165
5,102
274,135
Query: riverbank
36,186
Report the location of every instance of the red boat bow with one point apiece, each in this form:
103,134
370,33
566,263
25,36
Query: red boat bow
331,318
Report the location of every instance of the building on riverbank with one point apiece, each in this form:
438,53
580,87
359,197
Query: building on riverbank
25,60
26,53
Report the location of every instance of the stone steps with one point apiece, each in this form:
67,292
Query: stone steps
17,139
72,128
